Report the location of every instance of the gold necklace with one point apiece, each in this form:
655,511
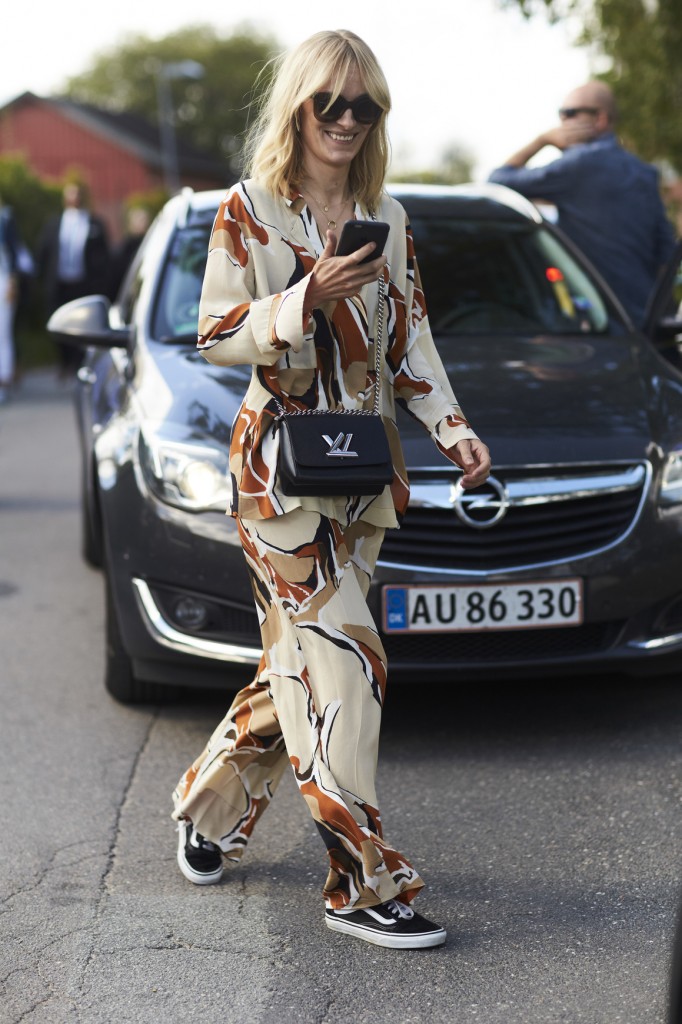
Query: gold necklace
331,223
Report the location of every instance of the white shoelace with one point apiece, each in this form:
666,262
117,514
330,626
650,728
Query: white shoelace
398,910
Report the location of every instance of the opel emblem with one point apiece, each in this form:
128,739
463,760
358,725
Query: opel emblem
482,507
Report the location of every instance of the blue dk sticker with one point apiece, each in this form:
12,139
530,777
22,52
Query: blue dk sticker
396,608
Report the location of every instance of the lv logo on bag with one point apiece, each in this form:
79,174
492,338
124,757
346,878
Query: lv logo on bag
339,447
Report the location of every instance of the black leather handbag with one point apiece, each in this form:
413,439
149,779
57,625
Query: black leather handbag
326,453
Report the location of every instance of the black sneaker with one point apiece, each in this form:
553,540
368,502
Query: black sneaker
199,860
390,924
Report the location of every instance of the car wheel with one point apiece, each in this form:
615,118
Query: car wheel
119,679
91,527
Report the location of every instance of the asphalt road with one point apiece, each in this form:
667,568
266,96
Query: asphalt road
545,819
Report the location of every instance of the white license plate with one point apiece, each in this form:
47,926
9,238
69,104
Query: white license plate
487,606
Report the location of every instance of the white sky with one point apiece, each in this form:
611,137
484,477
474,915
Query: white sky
460,71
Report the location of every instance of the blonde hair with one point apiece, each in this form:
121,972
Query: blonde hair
273,151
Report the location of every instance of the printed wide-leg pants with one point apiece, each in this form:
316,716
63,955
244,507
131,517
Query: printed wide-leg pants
316,702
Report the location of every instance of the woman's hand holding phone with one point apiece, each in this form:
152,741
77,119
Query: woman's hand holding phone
356,234
340,277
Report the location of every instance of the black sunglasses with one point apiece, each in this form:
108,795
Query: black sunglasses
363,109
568,112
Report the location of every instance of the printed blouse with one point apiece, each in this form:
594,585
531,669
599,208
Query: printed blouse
262,252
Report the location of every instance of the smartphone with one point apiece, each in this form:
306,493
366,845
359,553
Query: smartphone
356,233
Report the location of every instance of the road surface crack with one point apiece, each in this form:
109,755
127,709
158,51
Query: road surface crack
103,887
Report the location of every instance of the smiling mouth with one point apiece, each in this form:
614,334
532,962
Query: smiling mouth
338,137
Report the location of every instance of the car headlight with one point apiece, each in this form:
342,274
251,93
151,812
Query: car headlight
184,470
671,481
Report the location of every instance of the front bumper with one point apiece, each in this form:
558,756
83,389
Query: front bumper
633,603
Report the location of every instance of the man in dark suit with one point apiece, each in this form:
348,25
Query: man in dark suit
73,260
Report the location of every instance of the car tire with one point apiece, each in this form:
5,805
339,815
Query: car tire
91,526
119,679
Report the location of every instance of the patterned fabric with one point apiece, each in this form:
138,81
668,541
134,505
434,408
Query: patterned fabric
317,699
261,255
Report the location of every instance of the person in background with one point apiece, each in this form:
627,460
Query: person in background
73,260
137,222
276,297
9,277
608,201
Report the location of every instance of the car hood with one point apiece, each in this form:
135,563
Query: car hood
532,400
179,386
550,399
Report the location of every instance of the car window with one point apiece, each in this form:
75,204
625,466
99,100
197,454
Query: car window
132,283
504,278
478,277
176,310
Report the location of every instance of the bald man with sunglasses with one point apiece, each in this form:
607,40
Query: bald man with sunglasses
608,201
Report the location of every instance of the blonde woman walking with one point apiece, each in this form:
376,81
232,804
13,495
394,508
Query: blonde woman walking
276,297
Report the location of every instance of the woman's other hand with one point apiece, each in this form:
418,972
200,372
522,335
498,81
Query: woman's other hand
340,277
474,458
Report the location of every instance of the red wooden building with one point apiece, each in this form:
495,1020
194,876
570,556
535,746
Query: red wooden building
117,154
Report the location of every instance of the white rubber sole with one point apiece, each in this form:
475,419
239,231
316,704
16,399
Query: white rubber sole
426,941
193,876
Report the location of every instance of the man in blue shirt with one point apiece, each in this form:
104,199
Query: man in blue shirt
608,201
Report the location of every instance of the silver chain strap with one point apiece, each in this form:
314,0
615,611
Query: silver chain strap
378,341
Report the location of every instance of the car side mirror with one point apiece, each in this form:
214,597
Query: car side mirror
86,322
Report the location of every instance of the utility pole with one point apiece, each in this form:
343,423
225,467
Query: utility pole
165,73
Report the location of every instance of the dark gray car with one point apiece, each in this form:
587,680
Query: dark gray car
570,558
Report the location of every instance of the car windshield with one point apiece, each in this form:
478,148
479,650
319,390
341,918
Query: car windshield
479,277
490,277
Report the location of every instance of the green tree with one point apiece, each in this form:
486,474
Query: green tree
211,112
32,202
642,40
31,199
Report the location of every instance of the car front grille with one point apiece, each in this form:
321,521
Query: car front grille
542,524
411,651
